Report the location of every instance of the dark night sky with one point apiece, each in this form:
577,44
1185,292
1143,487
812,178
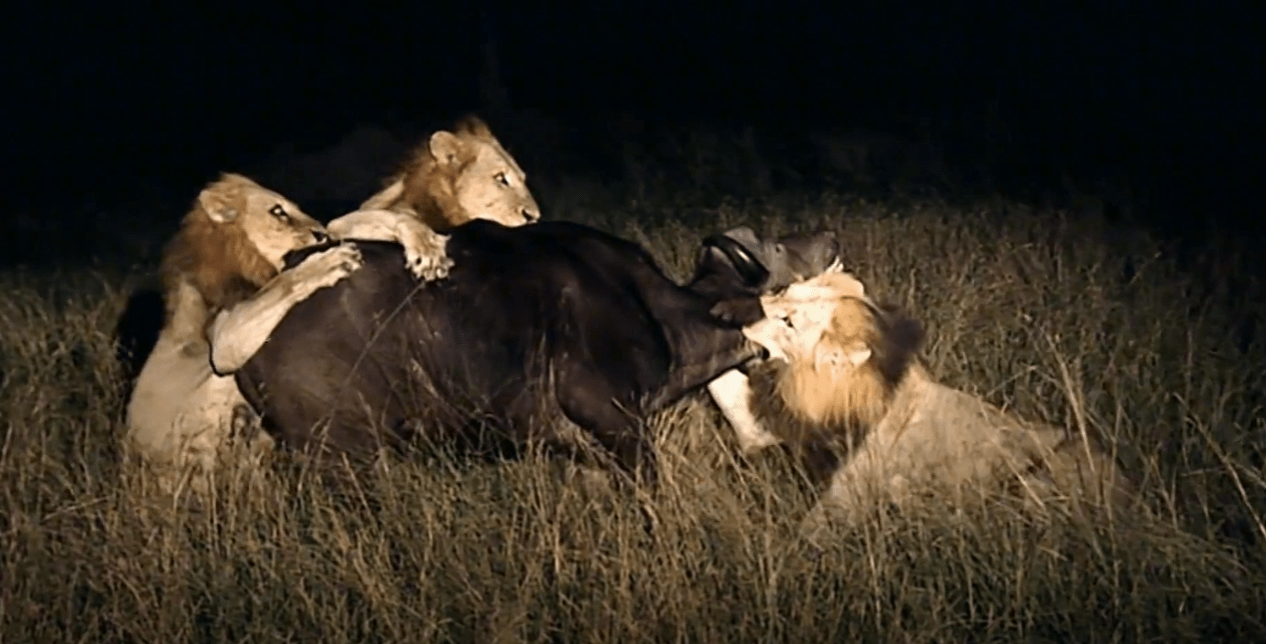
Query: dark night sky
190,87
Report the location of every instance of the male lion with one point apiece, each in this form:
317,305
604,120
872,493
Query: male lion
450,179
232,242
843,385
454,177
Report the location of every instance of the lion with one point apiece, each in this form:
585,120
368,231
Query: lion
454,177
225,288
233,242
845,388
448,180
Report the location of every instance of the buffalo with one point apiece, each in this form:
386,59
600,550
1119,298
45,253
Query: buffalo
536,329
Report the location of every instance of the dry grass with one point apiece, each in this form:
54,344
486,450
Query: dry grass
1024,308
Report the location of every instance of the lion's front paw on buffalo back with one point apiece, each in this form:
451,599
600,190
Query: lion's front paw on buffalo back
345,260
428,268
328,267
739,311
429,261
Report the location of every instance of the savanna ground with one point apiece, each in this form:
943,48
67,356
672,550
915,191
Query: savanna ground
1056,314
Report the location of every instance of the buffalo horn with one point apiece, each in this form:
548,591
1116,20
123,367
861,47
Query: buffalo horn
753,272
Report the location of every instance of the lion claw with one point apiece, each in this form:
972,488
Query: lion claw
432,265
329,267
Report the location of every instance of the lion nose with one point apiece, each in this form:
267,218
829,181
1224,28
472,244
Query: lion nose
320,236
531,216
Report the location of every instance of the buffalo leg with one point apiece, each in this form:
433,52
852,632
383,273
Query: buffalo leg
716,353
732,392
588,400
703,345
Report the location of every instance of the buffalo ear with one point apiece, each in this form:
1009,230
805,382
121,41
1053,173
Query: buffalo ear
739,311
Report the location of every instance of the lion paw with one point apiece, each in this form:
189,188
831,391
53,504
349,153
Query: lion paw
329,267
428,258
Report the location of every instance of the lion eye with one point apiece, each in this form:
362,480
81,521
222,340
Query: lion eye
501,178
279,212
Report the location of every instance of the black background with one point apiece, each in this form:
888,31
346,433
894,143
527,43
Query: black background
175,92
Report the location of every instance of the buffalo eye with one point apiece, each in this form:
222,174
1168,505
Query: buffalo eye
501,178
279,212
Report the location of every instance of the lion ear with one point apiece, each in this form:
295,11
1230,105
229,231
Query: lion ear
445,147
221,208
828,356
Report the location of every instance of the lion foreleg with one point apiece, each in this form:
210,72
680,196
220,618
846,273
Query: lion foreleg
425,251
732,392
873,474
239,332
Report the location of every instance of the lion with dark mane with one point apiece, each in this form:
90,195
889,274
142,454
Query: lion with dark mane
845,389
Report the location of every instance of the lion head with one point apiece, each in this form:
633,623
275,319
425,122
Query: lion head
454,177
232,241
844,355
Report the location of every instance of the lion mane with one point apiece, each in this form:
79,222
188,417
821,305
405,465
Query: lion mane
850,398
459,175
231,243
218,261
823,416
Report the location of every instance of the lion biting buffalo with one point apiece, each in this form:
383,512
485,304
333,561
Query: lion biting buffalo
844,388
182,415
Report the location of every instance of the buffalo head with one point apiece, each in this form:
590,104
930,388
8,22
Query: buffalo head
736,265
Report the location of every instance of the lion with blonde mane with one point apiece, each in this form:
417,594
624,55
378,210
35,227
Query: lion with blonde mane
233,242
450,179
844,387
454,177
